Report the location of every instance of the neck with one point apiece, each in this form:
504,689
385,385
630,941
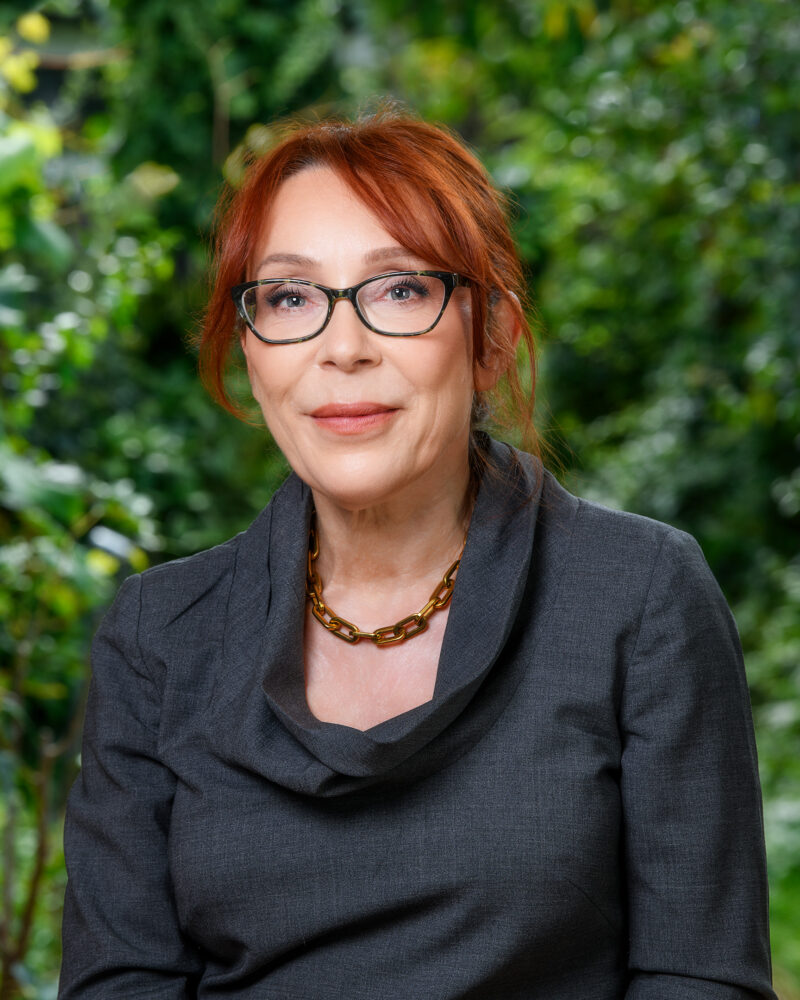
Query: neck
396,549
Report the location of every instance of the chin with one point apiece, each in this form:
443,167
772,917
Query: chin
355,484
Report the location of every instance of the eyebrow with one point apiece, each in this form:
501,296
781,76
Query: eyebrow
288,258
377,256
389,253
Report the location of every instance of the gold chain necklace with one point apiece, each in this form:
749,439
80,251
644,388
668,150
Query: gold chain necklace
388,634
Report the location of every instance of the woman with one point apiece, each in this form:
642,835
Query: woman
349,753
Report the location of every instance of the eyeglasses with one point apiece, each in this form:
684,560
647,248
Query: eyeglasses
397,304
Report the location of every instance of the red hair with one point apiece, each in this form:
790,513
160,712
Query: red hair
430,194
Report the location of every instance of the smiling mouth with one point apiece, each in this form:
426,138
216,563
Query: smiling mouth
352,418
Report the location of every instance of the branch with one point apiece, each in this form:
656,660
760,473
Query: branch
87,59
41,785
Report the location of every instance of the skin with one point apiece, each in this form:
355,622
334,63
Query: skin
390,486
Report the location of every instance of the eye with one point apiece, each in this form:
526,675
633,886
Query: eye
285,297
400,290
406,289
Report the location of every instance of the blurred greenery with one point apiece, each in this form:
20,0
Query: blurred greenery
652,151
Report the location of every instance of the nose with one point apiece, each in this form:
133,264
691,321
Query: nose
345,342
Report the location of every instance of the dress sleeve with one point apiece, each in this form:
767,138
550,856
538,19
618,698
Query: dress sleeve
120,932
693,831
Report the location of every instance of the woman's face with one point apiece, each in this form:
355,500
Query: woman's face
361,417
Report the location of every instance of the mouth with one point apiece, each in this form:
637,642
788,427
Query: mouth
352,418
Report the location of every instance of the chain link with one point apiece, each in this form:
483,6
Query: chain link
387,635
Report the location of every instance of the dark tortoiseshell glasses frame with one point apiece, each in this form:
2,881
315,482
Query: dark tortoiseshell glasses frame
449,279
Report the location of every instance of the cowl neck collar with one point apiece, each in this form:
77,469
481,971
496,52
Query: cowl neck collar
473,684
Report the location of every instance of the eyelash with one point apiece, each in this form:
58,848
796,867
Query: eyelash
283,292
276,297
409,282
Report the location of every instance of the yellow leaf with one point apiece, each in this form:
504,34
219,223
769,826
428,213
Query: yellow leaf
18,70
555,20
33,27
138,559
586,12
101,563
47,690
152,180
681,48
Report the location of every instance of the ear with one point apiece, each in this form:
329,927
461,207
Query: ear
495,362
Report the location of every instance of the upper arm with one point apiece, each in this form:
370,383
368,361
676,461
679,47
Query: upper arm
693,834
120,934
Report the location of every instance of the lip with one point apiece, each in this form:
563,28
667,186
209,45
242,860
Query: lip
352,418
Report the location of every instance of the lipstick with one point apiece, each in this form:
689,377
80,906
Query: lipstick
352,418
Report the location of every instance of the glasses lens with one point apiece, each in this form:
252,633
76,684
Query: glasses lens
402,303
285,310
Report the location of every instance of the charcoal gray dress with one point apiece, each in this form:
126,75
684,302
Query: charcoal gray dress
575,815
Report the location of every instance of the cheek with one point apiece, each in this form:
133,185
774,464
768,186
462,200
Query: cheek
446,365
454,372
252,376
445,378
268,376
260,395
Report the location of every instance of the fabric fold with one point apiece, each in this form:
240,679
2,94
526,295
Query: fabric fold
326,759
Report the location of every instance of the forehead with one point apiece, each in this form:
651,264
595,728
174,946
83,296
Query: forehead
314,206
316,219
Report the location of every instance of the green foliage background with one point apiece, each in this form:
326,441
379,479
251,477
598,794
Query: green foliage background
652,151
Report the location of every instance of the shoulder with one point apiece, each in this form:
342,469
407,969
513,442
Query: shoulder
613,537
615,566
174,616
642,591
191,589
598,532
172,589
601,556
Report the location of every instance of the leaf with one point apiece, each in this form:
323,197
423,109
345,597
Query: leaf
18,161
101,563
48,241
46,690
